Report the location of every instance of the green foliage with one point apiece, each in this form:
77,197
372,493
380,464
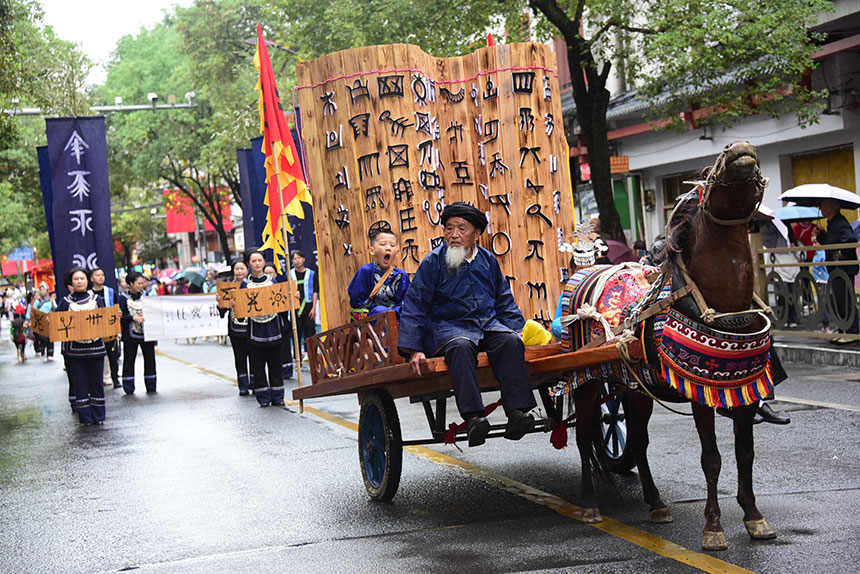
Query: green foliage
138,223
739,58
441,29
723,56
40,70
199,49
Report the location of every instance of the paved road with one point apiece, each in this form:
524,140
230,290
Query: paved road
198,479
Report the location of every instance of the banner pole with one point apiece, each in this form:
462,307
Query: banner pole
296,347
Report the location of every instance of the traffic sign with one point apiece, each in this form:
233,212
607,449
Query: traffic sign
21,253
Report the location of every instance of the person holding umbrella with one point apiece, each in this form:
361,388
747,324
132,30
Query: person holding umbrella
840,231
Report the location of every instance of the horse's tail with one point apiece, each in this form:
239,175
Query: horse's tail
598,461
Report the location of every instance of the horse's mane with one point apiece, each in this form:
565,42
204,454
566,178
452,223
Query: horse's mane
678,227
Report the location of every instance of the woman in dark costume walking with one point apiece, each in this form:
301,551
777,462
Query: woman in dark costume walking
264,339
84,359
237,329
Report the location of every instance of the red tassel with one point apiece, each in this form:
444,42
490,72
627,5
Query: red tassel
451,433
558,437
489,40
453,428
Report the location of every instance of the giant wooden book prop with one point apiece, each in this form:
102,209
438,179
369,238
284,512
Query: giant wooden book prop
391,134
77,325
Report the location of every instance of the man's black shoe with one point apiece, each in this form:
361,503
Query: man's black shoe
519,424
768,415
477,430
244,393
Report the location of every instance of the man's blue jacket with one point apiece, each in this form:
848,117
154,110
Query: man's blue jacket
443,305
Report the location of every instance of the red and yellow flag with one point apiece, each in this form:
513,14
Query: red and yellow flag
278,145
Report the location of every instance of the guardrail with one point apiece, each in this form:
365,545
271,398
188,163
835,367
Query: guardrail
807,306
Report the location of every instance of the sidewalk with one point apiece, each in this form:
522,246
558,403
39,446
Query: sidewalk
814,351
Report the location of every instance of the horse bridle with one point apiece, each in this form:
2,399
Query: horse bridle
694,304
706,186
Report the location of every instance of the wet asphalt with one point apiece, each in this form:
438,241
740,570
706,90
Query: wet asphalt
197,479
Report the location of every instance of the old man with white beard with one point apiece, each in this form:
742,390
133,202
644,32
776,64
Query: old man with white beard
459,304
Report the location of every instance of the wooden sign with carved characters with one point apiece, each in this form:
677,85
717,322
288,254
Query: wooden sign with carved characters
226,291
264,300
60,326
391,135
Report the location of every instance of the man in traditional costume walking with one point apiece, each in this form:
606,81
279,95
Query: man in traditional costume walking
459,304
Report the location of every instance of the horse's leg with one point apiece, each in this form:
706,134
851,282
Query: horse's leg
639,409
756,525
713,537
585,399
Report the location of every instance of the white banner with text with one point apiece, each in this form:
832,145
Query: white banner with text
174,316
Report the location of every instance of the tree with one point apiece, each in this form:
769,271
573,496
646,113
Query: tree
149,149
732,58
442,29
137,224
40,70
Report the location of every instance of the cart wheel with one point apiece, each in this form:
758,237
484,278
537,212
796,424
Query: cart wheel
613,427
380,448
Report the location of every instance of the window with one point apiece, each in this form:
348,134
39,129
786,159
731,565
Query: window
673,187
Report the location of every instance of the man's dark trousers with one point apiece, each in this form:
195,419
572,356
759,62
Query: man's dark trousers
507,359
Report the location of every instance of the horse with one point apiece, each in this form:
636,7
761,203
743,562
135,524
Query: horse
706,246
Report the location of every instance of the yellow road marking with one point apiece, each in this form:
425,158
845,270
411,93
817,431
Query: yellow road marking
640,538
811,403
199,368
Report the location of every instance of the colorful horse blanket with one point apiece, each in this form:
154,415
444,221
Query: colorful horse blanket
710,367
614,291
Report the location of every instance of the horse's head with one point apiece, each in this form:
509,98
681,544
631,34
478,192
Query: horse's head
733,187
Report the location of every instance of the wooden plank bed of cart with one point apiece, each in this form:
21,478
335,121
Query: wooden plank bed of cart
360,358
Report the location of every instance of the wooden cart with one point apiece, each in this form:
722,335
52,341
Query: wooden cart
361,357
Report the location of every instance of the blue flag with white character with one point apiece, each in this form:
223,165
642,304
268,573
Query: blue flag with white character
77,153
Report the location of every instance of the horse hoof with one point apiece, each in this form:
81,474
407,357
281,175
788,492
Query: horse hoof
760,529
714,540
591,516
661,515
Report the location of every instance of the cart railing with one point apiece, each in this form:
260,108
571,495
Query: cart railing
807,305
357,346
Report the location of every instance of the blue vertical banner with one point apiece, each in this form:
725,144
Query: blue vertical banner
47,198
243,156
77,153
303,236
257,178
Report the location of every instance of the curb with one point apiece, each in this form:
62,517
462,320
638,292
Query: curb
817,355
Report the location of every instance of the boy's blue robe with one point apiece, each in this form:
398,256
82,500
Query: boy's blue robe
442,305
390,296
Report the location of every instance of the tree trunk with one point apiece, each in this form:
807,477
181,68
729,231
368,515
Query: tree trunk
225,247
598,158
126,249
592,101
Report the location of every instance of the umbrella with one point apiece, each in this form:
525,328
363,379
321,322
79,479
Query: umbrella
194,278
166,272
182,274
798,213
619,252
811,194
